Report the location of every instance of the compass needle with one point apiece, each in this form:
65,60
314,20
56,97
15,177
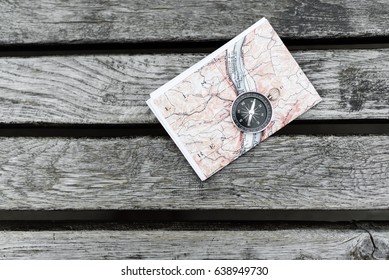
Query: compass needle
251,112
252,106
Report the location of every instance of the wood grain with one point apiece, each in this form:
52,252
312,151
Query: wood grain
112,89
89,21
326,242
284,172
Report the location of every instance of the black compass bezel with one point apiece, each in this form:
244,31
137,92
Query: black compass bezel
260,97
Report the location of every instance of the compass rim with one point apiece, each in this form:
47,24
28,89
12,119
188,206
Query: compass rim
261,97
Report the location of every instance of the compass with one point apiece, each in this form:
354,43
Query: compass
251,112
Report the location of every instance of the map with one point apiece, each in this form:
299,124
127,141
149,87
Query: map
195,107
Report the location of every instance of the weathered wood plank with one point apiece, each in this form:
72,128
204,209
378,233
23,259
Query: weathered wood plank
354,84
298,172
269,243
89,21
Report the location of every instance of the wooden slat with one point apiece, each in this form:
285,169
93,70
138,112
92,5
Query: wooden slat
284,172
112,89
270,243
88,21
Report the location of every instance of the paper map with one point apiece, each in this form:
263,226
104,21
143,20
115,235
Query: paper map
195,106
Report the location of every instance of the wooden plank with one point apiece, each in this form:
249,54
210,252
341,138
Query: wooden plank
284,172
271,243
112,89
91,21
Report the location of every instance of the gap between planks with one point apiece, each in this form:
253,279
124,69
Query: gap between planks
42,217
297,127
161,48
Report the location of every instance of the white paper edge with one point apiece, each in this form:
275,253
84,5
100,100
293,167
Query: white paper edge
181,77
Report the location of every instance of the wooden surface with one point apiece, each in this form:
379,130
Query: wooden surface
354,84
90,21
255,242
288,173
284,172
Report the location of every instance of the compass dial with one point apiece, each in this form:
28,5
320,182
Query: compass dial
251,112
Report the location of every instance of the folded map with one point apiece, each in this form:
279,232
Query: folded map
233,99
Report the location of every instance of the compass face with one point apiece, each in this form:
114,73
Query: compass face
251,112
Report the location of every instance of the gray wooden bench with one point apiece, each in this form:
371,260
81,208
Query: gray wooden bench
86,171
